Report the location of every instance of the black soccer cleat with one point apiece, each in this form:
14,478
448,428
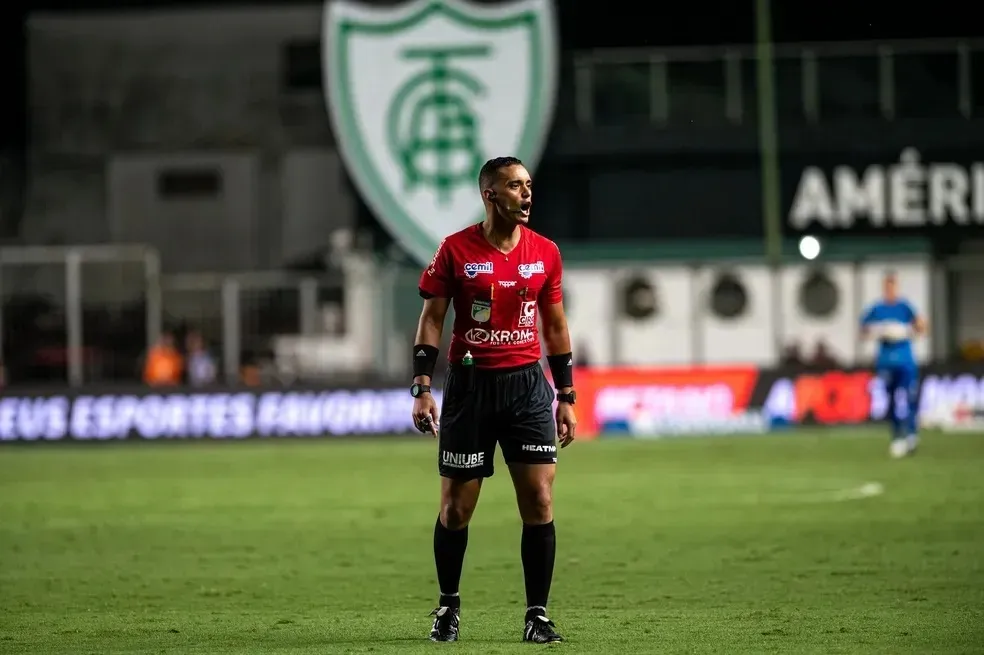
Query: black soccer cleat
445,624
540,630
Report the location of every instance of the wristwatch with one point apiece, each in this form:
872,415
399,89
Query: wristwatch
417,389
568,398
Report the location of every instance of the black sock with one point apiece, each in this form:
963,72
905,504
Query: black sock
449,555
539,549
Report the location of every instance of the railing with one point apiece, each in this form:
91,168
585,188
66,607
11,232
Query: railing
88,314
43,291
717,86
120,107
243,312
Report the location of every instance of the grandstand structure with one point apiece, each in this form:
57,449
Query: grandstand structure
146,129
209,165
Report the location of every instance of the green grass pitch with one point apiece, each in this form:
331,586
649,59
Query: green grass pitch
707,545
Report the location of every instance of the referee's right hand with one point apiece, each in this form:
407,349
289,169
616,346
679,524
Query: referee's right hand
425,413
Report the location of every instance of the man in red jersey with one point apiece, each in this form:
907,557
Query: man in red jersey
500,276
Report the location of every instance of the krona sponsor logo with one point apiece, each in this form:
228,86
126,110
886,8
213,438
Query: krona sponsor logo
479,336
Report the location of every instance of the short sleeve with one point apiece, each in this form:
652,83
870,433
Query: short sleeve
910,314
869,316
437,279
553,290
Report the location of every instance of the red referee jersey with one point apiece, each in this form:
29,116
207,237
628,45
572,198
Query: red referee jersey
495,296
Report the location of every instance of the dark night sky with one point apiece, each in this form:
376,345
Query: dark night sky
623,23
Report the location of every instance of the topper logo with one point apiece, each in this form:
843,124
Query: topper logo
473,269
526,271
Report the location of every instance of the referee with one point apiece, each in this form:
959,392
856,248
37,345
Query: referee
503,280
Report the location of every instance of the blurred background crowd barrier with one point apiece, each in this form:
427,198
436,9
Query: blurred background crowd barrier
183,217
84,315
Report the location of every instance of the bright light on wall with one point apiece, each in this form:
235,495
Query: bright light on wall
809,247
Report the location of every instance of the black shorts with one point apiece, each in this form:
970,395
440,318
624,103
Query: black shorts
512,407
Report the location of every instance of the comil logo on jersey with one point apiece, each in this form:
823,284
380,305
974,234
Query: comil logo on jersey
422,93
472,270
526,271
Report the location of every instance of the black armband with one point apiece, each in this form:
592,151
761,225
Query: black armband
424,359
562,369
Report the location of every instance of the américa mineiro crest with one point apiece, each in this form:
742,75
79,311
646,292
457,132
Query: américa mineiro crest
421,94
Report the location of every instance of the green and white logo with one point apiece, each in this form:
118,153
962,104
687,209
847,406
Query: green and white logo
421,95
481,311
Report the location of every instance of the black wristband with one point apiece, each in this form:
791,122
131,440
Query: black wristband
562,369
424,359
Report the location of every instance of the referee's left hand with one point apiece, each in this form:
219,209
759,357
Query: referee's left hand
566,422
425,414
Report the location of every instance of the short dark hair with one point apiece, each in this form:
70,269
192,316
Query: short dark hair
490,170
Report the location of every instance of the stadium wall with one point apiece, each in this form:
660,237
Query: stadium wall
731,311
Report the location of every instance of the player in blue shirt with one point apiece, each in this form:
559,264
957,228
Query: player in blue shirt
894,323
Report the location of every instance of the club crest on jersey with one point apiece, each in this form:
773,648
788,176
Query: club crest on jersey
527,314
473,269
526,271
481,311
